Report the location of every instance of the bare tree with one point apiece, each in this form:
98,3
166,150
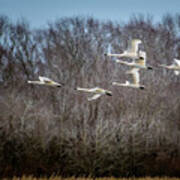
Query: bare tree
48,130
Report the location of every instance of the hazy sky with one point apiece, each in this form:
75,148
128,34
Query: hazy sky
39,12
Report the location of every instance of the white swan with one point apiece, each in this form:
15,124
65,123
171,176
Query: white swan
45,81
138,63
175,66
98,92
136,80
131,52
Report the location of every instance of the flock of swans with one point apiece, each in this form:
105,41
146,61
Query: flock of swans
138,62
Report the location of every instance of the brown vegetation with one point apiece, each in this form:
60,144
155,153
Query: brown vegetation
74,178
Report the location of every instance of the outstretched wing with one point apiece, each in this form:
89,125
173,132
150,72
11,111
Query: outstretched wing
96,96
176,72
135,75
177,61
48,81
133,46
45,79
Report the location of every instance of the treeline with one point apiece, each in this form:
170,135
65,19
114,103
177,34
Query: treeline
49,131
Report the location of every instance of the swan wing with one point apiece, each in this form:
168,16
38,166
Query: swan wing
176,72
96,96
45,79
48,81
133,45
135,75
177,61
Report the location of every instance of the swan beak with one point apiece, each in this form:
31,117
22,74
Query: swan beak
142,87
109,93
150,68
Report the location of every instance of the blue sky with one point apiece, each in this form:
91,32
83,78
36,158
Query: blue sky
39,12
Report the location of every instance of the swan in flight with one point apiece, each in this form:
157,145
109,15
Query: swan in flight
175,66
136,80
45,81
98,92
138,63
131,52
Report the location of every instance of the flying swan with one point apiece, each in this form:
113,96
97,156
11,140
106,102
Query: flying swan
131,52
98,92
136,80
45,81
175,66
138,63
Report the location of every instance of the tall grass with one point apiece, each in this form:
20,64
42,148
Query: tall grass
75,178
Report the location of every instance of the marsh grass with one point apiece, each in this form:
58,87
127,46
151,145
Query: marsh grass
81,178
